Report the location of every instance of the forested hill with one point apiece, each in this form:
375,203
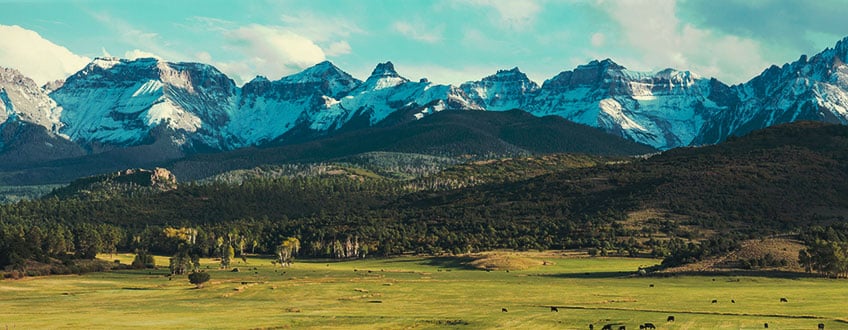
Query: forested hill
777,180
467,134
772,180
457,134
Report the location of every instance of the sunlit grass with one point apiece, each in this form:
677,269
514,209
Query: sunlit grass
418,292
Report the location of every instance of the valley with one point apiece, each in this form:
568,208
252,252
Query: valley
422,292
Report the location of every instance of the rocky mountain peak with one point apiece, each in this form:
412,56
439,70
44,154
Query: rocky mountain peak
386,69
324,78
513,74
384,76
504,90
21,98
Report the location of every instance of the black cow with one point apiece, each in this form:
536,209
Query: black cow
670,318
622,328
591,326
607,327
765,325
650,326
504,310
651,285
732,301
715,301
784,300
554,309
821,326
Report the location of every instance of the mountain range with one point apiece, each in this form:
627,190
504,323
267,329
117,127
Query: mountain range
148,110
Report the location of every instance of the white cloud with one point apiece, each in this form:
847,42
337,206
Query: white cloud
338,48
653,34
204,57
138,39
270,51
513,14
598,39
419,31
137,53
36,57
328,32
320,28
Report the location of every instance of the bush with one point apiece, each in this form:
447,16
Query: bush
143,260
198,278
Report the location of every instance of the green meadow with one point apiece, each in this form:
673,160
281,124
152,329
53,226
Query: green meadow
421,293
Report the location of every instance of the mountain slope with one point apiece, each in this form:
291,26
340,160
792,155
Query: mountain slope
155,111
664,109
29,123
504,90
447,133
807,89
117,103
772,180
267,110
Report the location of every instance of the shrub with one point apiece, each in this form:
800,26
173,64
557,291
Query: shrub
198,278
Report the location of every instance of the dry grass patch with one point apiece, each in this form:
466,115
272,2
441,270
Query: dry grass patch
504,261
776,248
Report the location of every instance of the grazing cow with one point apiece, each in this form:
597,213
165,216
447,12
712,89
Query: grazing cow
622,328
784,300
607,327
591,326
641,327
732,301
821,326
670,318
715,301
651,285
554,309
650,326
503,310
765,325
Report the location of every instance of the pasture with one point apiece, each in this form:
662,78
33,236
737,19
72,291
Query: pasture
421,293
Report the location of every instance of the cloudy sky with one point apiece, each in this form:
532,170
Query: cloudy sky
448,41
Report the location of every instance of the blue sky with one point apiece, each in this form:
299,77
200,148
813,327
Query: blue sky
448,41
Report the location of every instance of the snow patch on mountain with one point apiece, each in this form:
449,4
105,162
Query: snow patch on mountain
504,90
125,103
23,100
118,102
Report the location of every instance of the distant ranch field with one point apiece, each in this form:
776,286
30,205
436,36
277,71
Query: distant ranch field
496,290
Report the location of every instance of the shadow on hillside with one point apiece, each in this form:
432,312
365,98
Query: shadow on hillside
748,273
589,275
463,263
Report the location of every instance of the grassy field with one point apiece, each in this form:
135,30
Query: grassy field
411,292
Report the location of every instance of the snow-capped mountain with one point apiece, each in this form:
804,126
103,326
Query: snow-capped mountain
385,92
504,90
266,110
22,99
813,88
185,107
29,122
116,102
665,109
